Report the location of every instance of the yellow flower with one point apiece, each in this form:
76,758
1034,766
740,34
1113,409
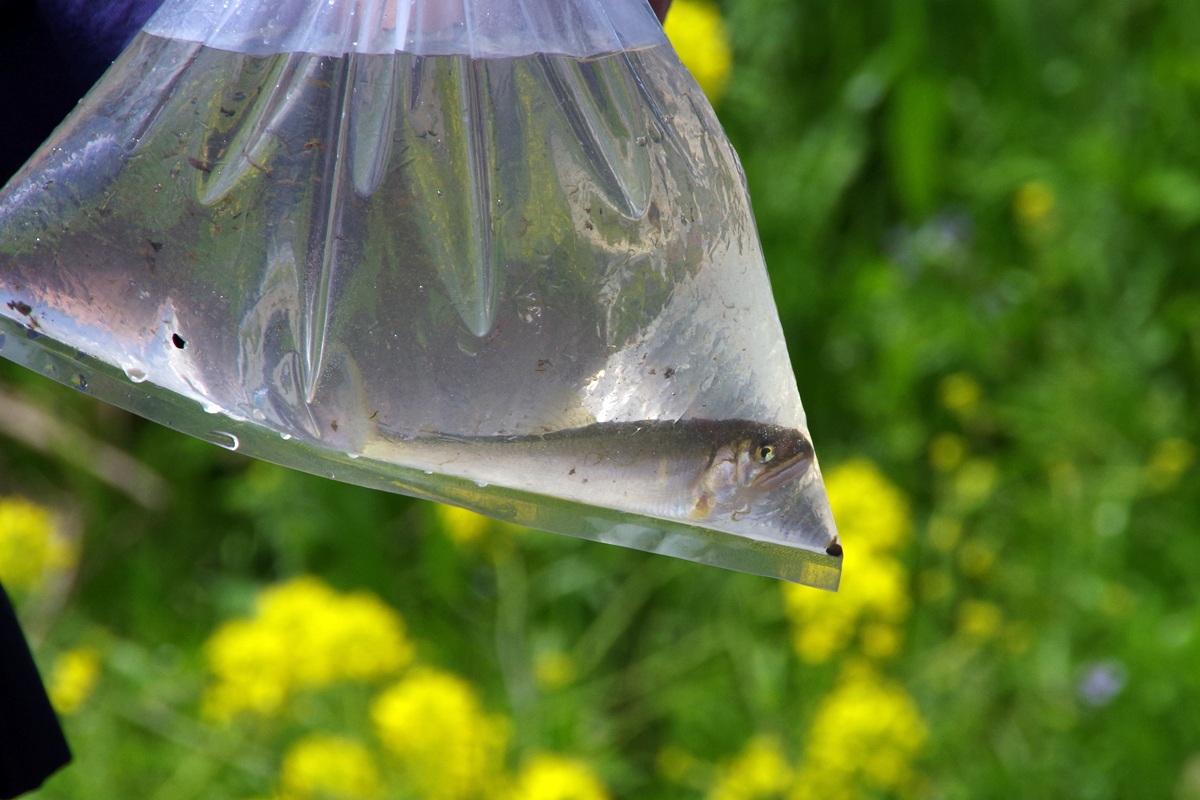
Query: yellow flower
872,518
760,770
865,736
1170,459
697,32
467,529
1034,203
978,620
869,510
873,587
947,451
554,670
29,545
434,724
974,483
961,395
462,526
253,665
304,634
880,640
72,678
320,766
551,777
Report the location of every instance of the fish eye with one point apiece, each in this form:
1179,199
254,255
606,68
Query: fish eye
765,453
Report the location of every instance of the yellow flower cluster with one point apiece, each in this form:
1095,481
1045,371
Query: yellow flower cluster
72,678
863,742
442,743
1034,204
551,777
697,32
29,544
865,736
304,634
873,521
321,766
759,771
436,727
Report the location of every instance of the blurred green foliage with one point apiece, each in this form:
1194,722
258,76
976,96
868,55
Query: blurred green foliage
980,220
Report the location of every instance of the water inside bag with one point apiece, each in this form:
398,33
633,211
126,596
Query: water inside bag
448,276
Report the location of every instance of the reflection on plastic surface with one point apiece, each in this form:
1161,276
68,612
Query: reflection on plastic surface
477,28
522,272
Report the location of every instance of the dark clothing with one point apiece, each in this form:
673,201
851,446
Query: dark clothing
51,52
32,745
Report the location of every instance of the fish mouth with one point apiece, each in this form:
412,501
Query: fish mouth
786,473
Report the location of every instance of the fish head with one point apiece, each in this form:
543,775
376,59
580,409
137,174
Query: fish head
768,457
764,482
781,494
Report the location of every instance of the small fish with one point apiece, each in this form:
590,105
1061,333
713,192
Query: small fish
736,475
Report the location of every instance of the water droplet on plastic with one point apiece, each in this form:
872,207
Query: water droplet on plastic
285,436
80,383
352,455
136,375
223,439
481,484
427,471
210,408
258,415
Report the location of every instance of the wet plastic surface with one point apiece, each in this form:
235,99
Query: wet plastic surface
367,252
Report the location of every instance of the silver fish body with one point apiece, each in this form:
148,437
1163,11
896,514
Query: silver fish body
740,476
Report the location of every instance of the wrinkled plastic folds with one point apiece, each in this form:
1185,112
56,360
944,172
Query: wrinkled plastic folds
422,247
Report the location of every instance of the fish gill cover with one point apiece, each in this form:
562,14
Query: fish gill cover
497,253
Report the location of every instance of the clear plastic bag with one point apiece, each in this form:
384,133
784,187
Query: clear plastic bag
498,254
